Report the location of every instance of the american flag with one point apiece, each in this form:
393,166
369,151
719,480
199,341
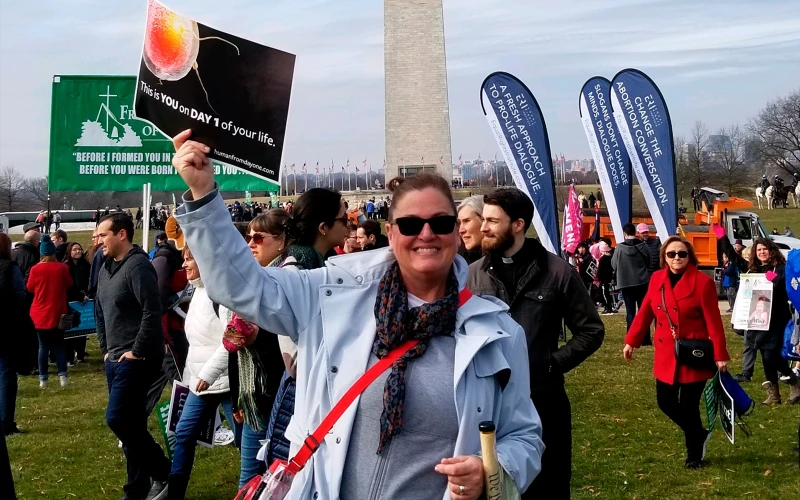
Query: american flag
317,167
304,167
292,167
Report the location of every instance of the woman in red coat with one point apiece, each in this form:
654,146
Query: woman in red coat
691,302
49,281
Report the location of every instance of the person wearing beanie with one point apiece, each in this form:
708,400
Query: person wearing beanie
46,246
49,282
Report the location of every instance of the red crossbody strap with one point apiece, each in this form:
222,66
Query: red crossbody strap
313,441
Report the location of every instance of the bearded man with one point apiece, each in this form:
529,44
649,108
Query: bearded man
542,292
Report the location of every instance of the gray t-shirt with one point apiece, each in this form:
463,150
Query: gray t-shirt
405,468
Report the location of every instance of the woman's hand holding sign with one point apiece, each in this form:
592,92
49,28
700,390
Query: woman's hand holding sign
193,165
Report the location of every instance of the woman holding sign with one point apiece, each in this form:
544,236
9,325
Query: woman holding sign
768,259
415,425
683,302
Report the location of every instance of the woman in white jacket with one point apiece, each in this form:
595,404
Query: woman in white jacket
204,332
414,432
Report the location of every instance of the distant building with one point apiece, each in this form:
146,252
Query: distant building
718,143
417,110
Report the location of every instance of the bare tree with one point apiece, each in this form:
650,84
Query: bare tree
683,177
697,155
12,185
37,191
777,128
728,157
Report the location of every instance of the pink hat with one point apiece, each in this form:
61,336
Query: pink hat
604,248
642,227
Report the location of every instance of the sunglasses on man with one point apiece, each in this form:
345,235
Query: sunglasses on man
412,226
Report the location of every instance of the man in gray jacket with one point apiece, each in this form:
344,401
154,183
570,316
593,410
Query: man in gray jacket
631,262
128,316
543,292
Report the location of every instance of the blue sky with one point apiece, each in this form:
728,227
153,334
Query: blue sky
715,61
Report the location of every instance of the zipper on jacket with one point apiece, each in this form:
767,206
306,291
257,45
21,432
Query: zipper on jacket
382,466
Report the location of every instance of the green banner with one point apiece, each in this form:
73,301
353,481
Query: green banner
96,143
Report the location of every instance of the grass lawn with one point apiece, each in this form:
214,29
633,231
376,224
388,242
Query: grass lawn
623,446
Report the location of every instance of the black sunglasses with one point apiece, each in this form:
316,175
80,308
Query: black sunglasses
412,226
682,254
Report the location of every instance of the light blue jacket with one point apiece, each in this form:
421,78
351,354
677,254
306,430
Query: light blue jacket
328,312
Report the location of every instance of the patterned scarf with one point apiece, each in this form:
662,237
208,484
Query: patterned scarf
397,324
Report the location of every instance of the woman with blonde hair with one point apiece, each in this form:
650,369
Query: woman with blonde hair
683,302
470,219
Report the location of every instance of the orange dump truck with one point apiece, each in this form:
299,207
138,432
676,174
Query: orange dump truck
716,208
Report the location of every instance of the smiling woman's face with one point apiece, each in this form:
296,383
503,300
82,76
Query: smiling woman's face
426,254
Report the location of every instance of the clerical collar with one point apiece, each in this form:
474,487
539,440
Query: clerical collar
508,260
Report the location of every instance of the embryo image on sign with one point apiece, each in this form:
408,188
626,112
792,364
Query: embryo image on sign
171,45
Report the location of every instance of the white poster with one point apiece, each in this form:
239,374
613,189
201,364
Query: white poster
753,303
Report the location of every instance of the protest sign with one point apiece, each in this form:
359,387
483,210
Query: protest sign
726,412
177,401
162,413
96,144
87,325
233,93
710,400
753,303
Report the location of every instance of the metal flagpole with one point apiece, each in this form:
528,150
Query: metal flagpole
145,216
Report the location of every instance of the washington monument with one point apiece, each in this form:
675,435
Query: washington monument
417,110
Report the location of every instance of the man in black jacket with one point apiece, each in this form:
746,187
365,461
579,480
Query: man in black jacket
60,238
542,292
631,263
26,256
128,317
369,235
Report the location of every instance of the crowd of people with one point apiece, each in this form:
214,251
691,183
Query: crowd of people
275,325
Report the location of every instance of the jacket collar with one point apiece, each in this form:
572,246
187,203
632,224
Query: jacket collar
538,263
135,250
686,285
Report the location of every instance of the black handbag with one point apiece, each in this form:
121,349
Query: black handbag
70,320
689,352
